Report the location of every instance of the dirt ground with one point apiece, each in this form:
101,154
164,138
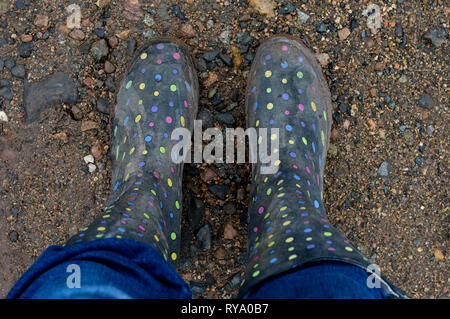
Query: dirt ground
386,184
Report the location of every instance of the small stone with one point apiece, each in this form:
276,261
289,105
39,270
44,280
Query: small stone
197,287
373,92
204,237
436,37
97,150
102,105
425,101
88,159
188,30
403,79
438,255
286,9
226,59
131,46
430,129
236,280
76,113
419,160
212,78
384,169
113,42
343,33
110,83
41,21
224,118
219,190
398,30
26,38
321,28
379,66
77,34
6,93
332,149
221,255
302,17
10,63
91,168
229,232
13,236
99,50
3,116
210,56
224,37
208,175
196,212
206,117
323,58
102,3
109,67
18,71
88,125
25,50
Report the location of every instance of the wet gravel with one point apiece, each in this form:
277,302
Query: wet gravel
386,185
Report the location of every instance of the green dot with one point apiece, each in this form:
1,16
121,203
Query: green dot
291,248
177,204
304,141
269,191
269,90
173,87
300,74
271,244
255,274
328,234
162,149
173,236
129,84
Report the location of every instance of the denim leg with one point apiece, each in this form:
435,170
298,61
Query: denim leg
323,280
108,268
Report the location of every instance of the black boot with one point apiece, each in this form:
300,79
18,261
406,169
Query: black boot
288,223
158,94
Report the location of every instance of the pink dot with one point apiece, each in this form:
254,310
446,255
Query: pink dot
141,228
156,174
158,61
295,166
176,56
150,203
151,124
301,107
172,170
284,48
139,175
286,112
185,103
255,229
261,210
168,119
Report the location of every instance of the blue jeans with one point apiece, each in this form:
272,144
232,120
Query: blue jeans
121,268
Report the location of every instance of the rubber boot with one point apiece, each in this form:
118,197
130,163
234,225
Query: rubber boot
288,225
158,94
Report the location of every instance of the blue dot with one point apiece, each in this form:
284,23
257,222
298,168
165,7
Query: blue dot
125,121
158,77
308,230
273,260
284,65
316,204
154,108
255,106
148,138
122,230
141,164
296,177
288,128
293,155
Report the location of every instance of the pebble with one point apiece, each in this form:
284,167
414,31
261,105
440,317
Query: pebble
332,149
211,55
286,8
26,38
99,49
2,64
196,212
244,38
225,118
224,37
206,117
148,20
208,174
18,71
302,17
204,237
430,129
13,236
226,59
56,88
188,30
384,170
436,36
398,30
41,21
197,287
10,63
25,50
229,232
110,83
3,116
219,190
6,93
109,67
343,33
438,255
103,105
177,12
419,160
323,58
236,280
88,159
403,79
91,168
425,101
77,34
131,46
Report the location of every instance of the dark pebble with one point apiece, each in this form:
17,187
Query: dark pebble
201,65
398,30
110,83
225,118
2,64
219,190
3,42
206,117
344,108
210,56
177,12
6,93
197,287
286,9
322,28
18,71
236,280
25,50
353,24
10,63
216,99
131,46
13,236
425,101
102,105
20,5
204,237
100,33
99,50
436,37
419,160
337,117
244,38
196,212
226,59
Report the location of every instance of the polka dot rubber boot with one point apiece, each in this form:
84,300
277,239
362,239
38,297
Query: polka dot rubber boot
288,224
158,94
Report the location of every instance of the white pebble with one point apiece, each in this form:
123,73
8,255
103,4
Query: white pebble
92,168
3,116
88,159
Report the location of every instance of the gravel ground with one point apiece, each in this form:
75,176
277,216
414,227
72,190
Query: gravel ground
387,164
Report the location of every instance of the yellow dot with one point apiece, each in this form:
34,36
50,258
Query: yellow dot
173,236
284,81
282,209
156,238
308,238
169,182
173,256
291,257
304,141
323,138
101,228
142,86
156,93
269,191
145,152
143,56
290,240
138,118
140,102
291,142
268,74
132,150
313,106
162,149
271,244
348,248
325,115
286,223
177,204
260,139
269,106
273,136
182,121
257,123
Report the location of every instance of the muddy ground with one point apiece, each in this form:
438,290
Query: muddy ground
386,184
